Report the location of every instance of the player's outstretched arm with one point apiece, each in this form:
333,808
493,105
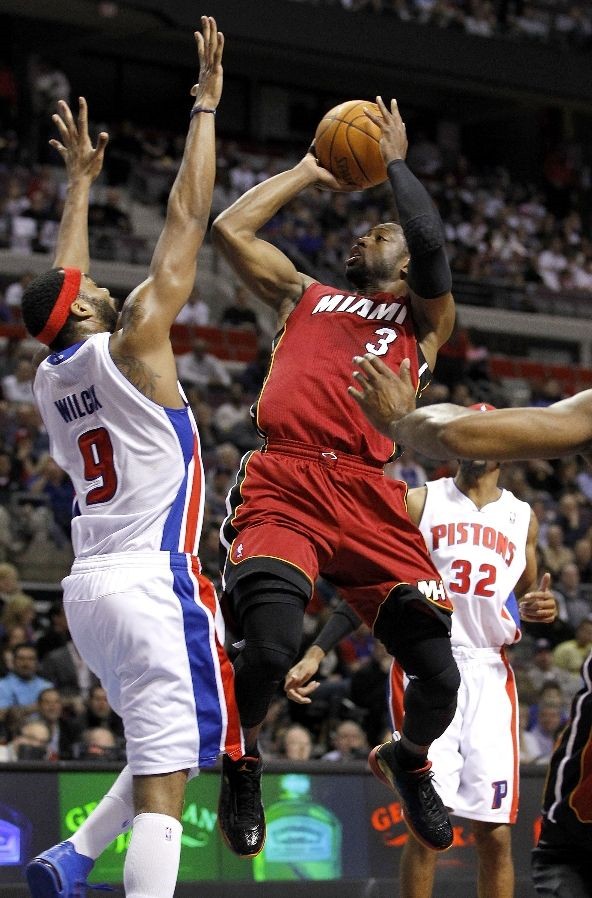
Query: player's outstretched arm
83,163
151,309
451,431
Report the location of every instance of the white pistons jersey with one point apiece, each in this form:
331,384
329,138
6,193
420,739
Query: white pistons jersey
135,465
480,554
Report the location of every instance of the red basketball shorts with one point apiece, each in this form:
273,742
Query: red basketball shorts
300,512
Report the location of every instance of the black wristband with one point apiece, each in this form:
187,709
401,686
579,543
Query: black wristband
197,109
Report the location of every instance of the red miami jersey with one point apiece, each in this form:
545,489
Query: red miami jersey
311,369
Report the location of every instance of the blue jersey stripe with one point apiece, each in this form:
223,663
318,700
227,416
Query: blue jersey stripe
512,608
56,357
179,418
203,676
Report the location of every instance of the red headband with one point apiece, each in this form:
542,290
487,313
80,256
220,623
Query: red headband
61,309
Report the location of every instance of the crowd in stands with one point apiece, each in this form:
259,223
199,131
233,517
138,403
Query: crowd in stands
529,236
50,705
559,21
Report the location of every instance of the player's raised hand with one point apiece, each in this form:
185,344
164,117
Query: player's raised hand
383,396
393,141
539,606
82,159
210,44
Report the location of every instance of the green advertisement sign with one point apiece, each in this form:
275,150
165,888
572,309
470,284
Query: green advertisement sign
303,836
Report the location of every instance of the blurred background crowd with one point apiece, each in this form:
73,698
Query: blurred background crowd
523,242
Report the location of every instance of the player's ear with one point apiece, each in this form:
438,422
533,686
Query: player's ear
81,308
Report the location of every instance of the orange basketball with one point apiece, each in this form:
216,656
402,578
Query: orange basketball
346,143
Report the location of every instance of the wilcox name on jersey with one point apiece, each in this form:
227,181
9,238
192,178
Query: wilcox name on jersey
78,405
460,533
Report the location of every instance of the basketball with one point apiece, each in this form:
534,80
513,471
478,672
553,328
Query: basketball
347,144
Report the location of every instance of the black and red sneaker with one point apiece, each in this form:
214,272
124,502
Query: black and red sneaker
423,809
240,809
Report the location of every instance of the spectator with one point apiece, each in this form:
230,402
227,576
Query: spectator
52,482
538,742
572,518
99,744
202,369
195,312
239,314
14,293
583,559
20,611
571,654
556,554
232,420
349,743
63,733
21,687
296,743
18,387
30,743
14,636
57,634
571,596
10,585
99,713
70,674
541,669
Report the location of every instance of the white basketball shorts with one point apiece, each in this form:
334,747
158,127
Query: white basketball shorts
150,627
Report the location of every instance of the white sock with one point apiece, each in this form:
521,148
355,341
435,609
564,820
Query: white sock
152,861
113,815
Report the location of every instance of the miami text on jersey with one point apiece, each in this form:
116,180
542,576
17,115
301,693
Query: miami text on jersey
360,305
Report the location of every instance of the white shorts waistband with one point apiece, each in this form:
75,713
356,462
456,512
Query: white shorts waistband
131,559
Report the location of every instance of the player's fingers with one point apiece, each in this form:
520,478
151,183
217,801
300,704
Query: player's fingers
377,119
219,49
82,114
382,106
355,394
61,126
295,696
68,118
545,583
58,146
373,367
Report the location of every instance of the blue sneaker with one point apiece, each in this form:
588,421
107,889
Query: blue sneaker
59,872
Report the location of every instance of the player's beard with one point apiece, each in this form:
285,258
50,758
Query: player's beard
108,316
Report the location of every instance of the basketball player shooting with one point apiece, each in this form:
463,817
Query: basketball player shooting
315,499
139,611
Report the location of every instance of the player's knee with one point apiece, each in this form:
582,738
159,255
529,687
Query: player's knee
271,661
443,687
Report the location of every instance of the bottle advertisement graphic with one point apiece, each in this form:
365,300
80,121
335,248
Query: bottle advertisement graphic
303,837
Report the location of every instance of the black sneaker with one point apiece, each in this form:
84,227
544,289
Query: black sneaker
423,809
240,810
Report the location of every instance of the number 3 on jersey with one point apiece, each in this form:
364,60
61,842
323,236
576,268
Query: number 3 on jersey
96,449
386,336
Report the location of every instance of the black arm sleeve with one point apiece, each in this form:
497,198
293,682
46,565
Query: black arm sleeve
429,272
342,622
